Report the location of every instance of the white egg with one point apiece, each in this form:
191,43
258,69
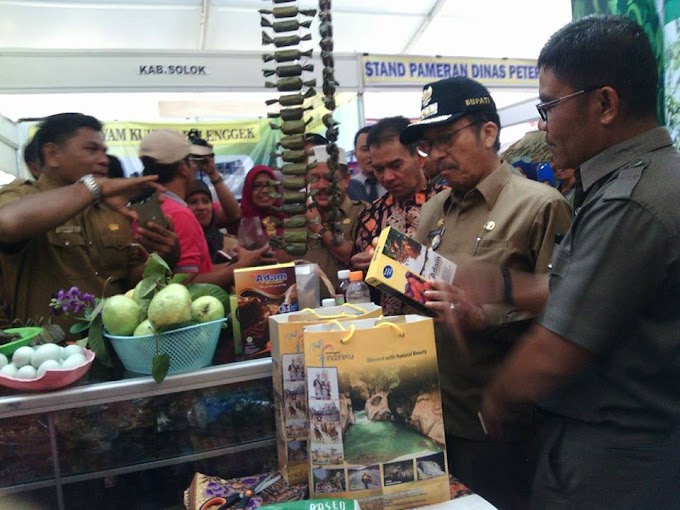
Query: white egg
72,349
9,370
45,352
22,356
26,372
3,360
47,365
73,361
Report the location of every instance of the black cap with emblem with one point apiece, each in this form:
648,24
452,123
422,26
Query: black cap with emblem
447,100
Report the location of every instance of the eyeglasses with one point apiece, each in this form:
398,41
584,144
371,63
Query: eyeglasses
425,147
260,185
543,108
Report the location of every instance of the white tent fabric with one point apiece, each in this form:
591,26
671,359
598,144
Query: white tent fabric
474,28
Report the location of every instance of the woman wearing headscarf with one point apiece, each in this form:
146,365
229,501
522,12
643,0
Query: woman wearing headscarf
257,200
199,200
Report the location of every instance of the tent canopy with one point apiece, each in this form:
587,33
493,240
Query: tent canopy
479,28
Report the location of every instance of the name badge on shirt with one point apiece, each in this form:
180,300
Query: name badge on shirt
436,237
69,229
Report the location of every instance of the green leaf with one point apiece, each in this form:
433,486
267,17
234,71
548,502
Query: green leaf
146,287
159,367
208,289
97,309
97,342
179,278
156,268
79,327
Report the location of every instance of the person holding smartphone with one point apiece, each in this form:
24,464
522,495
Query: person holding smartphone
72,226
227,209
166,154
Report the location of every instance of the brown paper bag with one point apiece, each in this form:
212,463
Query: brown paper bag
288,367
375,413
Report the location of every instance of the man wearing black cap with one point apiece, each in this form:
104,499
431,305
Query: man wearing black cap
492,215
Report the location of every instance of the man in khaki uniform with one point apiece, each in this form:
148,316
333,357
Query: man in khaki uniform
331,254
67,228
490,215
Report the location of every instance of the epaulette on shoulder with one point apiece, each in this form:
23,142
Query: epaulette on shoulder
622,187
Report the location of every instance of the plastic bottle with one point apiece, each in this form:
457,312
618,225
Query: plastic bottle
343,279
357,291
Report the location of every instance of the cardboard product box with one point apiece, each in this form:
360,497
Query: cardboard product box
261,292
401,266
288,376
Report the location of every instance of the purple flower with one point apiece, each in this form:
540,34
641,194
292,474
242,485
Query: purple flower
71,301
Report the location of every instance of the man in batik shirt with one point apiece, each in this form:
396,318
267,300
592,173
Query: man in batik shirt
399,168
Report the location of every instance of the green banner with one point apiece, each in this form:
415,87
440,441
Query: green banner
238,145
647,14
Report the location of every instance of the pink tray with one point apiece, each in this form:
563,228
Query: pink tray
52,379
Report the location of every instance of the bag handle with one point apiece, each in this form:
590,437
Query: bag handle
341,315
352,329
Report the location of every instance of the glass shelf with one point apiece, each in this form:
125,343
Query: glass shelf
129,425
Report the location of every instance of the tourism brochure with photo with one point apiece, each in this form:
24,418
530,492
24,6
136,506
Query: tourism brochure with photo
376,430
401,266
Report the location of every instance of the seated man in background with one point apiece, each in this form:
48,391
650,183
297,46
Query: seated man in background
331,253
69,228
166,153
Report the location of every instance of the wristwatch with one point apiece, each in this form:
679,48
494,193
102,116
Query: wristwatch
216,181
319,234
92,186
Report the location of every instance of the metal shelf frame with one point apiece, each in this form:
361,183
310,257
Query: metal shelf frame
127,389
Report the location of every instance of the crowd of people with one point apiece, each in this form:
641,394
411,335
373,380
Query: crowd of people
559,340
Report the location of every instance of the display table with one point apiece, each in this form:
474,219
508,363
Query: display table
102,430
204,487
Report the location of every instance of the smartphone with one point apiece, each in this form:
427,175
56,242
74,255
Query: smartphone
148,208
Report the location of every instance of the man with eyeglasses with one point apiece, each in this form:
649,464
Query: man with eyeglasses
604,361
489,214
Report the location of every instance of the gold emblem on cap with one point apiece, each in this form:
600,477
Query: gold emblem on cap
489,226
427,95
113,227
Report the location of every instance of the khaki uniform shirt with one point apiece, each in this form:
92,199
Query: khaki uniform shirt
86,250
319,254
507,220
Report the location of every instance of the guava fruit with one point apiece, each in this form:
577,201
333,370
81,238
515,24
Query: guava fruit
170,306
206,309
129,293
144,328
120,315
